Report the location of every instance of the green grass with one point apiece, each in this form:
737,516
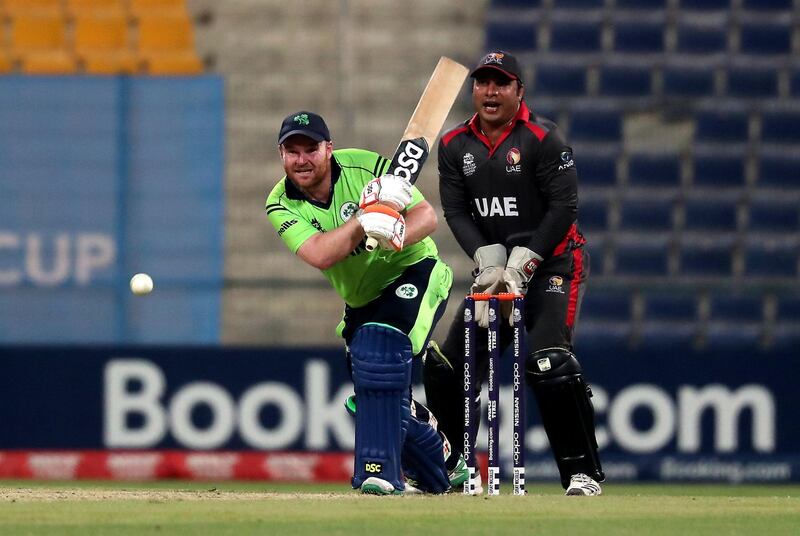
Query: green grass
169,508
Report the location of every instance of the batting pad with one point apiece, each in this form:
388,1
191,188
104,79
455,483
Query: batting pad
381,357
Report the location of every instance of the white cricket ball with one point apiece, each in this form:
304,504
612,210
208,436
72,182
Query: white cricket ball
141,284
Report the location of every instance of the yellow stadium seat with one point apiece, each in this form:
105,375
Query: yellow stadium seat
157,34
55,62
109,63
144,8
172,63
14,7
100,32
78,8
102,44
37,33
5,62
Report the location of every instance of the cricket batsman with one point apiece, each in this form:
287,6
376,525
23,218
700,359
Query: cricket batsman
323,209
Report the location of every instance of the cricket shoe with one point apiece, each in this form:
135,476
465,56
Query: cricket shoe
459,474
581,484
378,486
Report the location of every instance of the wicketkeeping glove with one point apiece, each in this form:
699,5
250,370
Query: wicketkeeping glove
490,261
388,189
384,224
522,263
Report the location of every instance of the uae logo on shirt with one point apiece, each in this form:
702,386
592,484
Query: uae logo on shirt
469,164
347,210
513,157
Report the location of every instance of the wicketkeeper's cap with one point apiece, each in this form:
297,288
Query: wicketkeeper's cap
304,123
501,61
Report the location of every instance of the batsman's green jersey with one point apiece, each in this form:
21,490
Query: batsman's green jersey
360,277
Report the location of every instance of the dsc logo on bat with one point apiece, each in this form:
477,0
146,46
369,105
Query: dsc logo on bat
409,158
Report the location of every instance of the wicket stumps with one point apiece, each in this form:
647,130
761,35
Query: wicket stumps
471,420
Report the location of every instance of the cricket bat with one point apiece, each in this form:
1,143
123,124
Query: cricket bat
426,122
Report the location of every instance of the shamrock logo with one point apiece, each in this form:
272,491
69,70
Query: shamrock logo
301,119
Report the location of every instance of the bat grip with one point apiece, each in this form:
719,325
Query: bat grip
372,243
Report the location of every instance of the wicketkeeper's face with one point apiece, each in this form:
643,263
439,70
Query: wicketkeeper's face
306,162
496,97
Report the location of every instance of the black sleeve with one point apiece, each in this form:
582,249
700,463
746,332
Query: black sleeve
558,181
456,204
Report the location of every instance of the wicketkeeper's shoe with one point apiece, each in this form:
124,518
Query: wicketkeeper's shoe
459,474
581,484
378,486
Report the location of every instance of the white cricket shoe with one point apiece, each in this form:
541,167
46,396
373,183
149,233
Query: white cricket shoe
378,486
581,484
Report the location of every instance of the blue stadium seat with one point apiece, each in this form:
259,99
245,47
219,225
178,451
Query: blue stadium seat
596,126
519,37
710,257
641,255
670,307
770,257
578,4
559,80
765,39
593,215
661,170
625,81
641,4
779,170
767,5
794,83
646,214
718,170
774,216
736,307
752,82
655,336
788,308
606,305
705,5
596,169
786,338
610,336
639,37
715,126
780,126
688,81
710,215
596,248
575,37
738,337
701,39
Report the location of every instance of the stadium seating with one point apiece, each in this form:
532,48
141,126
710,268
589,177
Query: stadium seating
647,213
687,80
735,322
721,126
560,80
597,169
767,5
780,126
595,125
771,257
638,37
519,37
716,215
642,255
654,171
779,169
707,256
752,82
625,81
693,38
765,39
705,5
570,36
717,170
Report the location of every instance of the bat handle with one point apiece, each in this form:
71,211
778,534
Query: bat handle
372,243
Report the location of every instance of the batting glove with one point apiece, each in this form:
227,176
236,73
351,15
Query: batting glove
388,189
384,224
490,262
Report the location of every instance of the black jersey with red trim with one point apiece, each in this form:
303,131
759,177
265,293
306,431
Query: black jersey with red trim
522,191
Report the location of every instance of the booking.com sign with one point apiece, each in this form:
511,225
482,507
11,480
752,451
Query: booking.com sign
314,418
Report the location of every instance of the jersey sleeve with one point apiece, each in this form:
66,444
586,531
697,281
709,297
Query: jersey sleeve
557,179
292,228
456,203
